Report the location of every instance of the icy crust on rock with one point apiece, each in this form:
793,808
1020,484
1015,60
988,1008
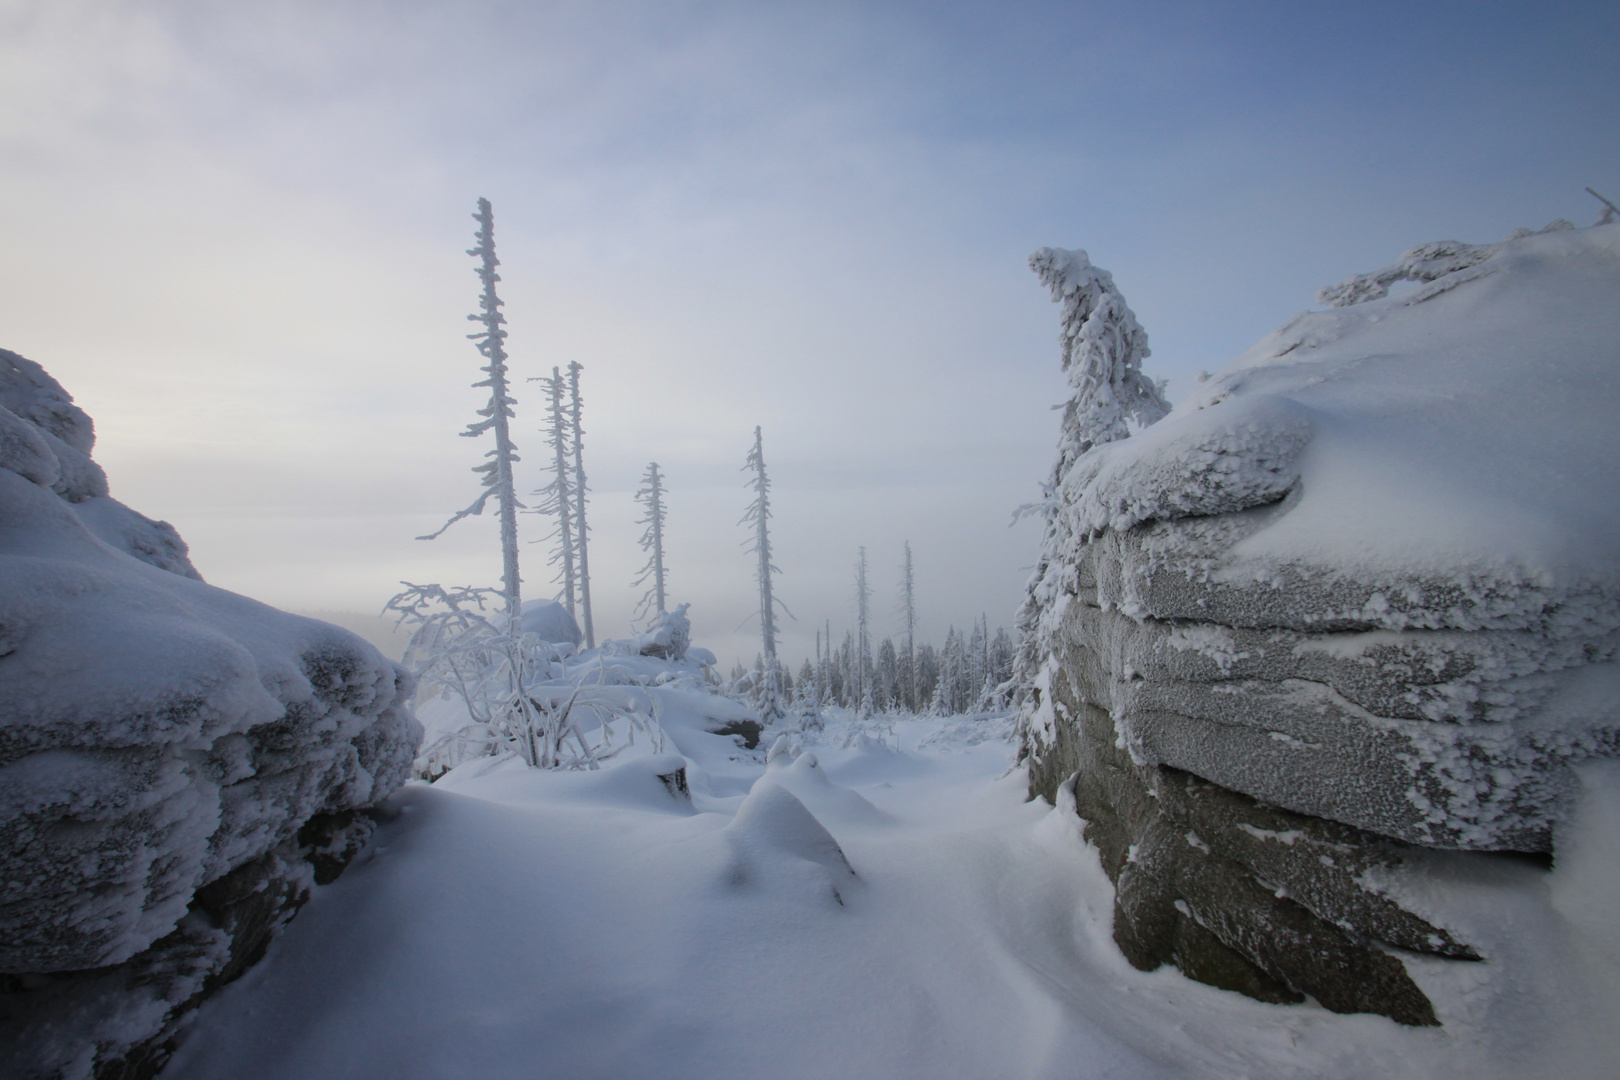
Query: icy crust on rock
156,733
1371,571
1462,429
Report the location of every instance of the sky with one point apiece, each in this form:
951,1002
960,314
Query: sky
237,234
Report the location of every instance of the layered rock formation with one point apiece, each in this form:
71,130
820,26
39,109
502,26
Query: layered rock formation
178,764
1355,602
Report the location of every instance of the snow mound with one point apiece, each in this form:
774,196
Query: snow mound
779,845
808,781
550,622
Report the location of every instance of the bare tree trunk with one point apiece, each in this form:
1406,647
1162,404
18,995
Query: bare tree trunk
908,612
497,472
560,493
580,530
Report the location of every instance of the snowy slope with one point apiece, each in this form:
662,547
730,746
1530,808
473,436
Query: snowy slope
516,923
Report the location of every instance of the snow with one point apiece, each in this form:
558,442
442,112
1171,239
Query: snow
1464,429
512,922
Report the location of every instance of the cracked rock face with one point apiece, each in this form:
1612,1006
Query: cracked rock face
158,737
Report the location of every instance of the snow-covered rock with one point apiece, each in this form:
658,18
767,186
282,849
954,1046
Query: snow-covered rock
157,734
1370,571
1366,581
550,622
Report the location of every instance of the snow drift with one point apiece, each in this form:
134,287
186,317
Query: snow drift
157,735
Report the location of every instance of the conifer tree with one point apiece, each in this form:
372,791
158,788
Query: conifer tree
886,676
651,497
581,532
557,497
759,515
497,472
1103,347
908,618
863,638
927,674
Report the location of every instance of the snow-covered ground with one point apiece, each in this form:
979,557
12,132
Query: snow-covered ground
511,922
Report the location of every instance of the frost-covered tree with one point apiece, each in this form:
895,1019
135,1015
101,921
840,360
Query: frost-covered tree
927,674
497,471
907,660
581,530
808,684
759,515
824,664
1002,651
1103,349
863,628
557,497
954,684
886,676
851,695
651,497
976,658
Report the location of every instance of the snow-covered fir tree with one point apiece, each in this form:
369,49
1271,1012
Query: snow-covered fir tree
1103,347
809,685
497,471
927,674
886,677
651,497
576,434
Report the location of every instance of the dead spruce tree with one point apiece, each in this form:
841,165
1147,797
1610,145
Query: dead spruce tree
497,471
908,619
577,438
759,515
557,497
863,634
651,496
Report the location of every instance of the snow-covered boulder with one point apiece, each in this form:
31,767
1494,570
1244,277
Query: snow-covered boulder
157,737
1364,584
550,622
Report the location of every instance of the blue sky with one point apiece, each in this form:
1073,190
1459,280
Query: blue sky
236,234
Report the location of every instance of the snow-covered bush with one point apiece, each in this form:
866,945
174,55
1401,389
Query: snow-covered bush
522,695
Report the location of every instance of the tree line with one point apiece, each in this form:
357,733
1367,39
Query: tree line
965,674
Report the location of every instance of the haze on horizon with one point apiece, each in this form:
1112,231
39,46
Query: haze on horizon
236,234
